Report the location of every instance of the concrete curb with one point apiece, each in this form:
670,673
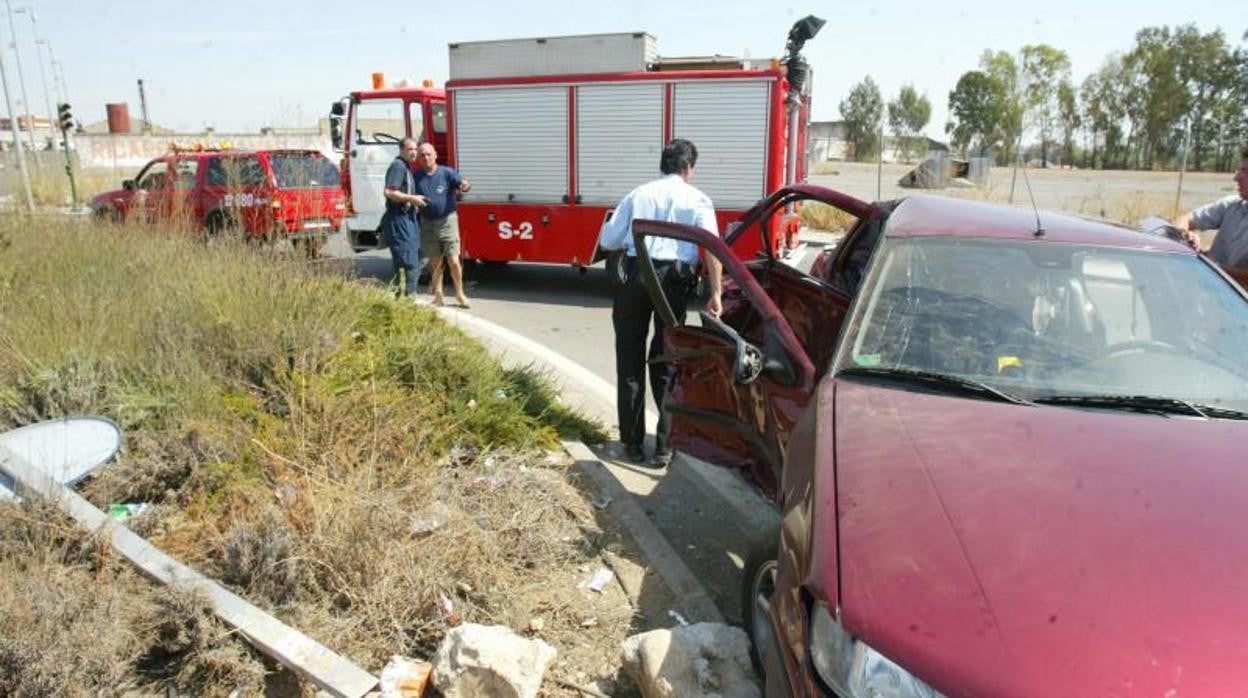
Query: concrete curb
596,396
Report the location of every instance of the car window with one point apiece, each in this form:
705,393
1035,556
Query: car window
156,176
185,171
416,118
439,117
378,122
235,171
1053,319
303,170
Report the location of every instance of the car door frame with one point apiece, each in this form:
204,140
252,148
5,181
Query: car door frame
759,374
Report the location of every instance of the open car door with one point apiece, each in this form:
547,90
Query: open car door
735,395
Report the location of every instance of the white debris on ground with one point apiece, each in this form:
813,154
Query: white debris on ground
490,660
711,660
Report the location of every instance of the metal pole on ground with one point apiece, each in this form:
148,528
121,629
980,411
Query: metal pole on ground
17,139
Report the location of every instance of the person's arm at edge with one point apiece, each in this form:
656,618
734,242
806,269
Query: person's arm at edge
399,197
613,232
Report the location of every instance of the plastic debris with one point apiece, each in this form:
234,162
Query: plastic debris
536,625
600,580
448,609
121,512
430,519
589,623
680,620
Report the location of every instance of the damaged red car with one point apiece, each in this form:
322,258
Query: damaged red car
1007,448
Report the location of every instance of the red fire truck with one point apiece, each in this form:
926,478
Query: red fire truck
552,132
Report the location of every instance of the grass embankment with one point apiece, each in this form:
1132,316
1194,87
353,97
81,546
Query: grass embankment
340,458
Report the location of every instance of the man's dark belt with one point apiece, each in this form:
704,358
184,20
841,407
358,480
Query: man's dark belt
661,266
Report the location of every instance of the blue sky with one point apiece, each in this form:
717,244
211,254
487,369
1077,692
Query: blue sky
238,66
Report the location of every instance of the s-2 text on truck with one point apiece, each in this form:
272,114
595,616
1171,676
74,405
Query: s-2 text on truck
554,131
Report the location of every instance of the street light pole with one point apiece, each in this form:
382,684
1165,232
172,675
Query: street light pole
30,126
43,80
17,139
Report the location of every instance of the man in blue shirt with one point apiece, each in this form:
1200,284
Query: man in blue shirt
398,223
439,224
673,199
1228,216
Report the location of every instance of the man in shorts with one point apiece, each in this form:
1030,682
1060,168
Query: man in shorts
439,224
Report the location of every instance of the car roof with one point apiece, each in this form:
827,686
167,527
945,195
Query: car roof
925,215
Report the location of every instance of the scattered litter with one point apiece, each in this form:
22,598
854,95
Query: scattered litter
602,502
405,678
680,620
121,512
601,578
536,625
448,609
463,587
589,623
500,394
472,404
431,519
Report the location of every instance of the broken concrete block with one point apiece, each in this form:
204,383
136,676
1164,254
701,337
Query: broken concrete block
711,660
490,660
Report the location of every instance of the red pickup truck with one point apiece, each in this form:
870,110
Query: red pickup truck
260,195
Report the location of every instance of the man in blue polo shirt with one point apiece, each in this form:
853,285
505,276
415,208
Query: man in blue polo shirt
439,224
398,223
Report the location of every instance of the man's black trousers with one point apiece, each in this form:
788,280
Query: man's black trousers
631,314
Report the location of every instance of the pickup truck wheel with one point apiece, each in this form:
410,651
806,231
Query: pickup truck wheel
109,215
758,586
220,226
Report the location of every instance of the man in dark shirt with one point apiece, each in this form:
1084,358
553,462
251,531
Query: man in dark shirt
398,223
439,224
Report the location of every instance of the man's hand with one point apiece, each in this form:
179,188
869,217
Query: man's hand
714,305
464,186
420,200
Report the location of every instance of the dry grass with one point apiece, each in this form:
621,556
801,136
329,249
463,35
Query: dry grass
820,216
49,186
340,458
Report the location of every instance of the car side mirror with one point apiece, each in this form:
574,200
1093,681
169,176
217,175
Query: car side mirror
128,185
337,114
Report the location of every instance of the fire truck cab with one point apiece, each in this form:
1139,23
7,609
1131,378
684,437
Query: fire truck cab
554,131
366,127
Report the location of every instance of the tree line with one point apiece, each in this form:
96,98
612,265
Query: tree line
1178,96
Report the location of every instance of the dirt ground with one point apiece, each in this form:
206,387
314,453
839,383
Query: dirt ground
1123,196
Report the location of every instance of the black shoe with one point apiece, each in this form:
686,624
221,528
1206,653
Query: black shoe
633,453
660,459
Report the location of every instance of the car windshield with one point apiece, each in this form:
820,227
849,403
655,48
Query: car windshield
303,170
1040,320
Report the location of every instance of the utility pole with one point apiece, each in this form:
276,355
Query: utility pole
43,80
147,122
17,139
30,124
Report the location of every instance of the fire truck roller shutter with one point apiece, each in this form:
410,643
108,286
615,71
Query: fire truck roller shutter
512,142
619,136
728,121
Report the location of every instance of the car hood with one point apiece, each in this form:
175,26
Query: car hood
1014,550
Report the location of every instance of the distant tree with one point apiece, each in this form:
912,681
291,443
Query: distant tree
907,115
1158,99
1068,119
862,110
973,113
1044,69
1007,99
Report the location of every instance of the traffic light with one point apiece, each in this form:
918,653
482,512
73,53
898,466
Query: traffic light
64,117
